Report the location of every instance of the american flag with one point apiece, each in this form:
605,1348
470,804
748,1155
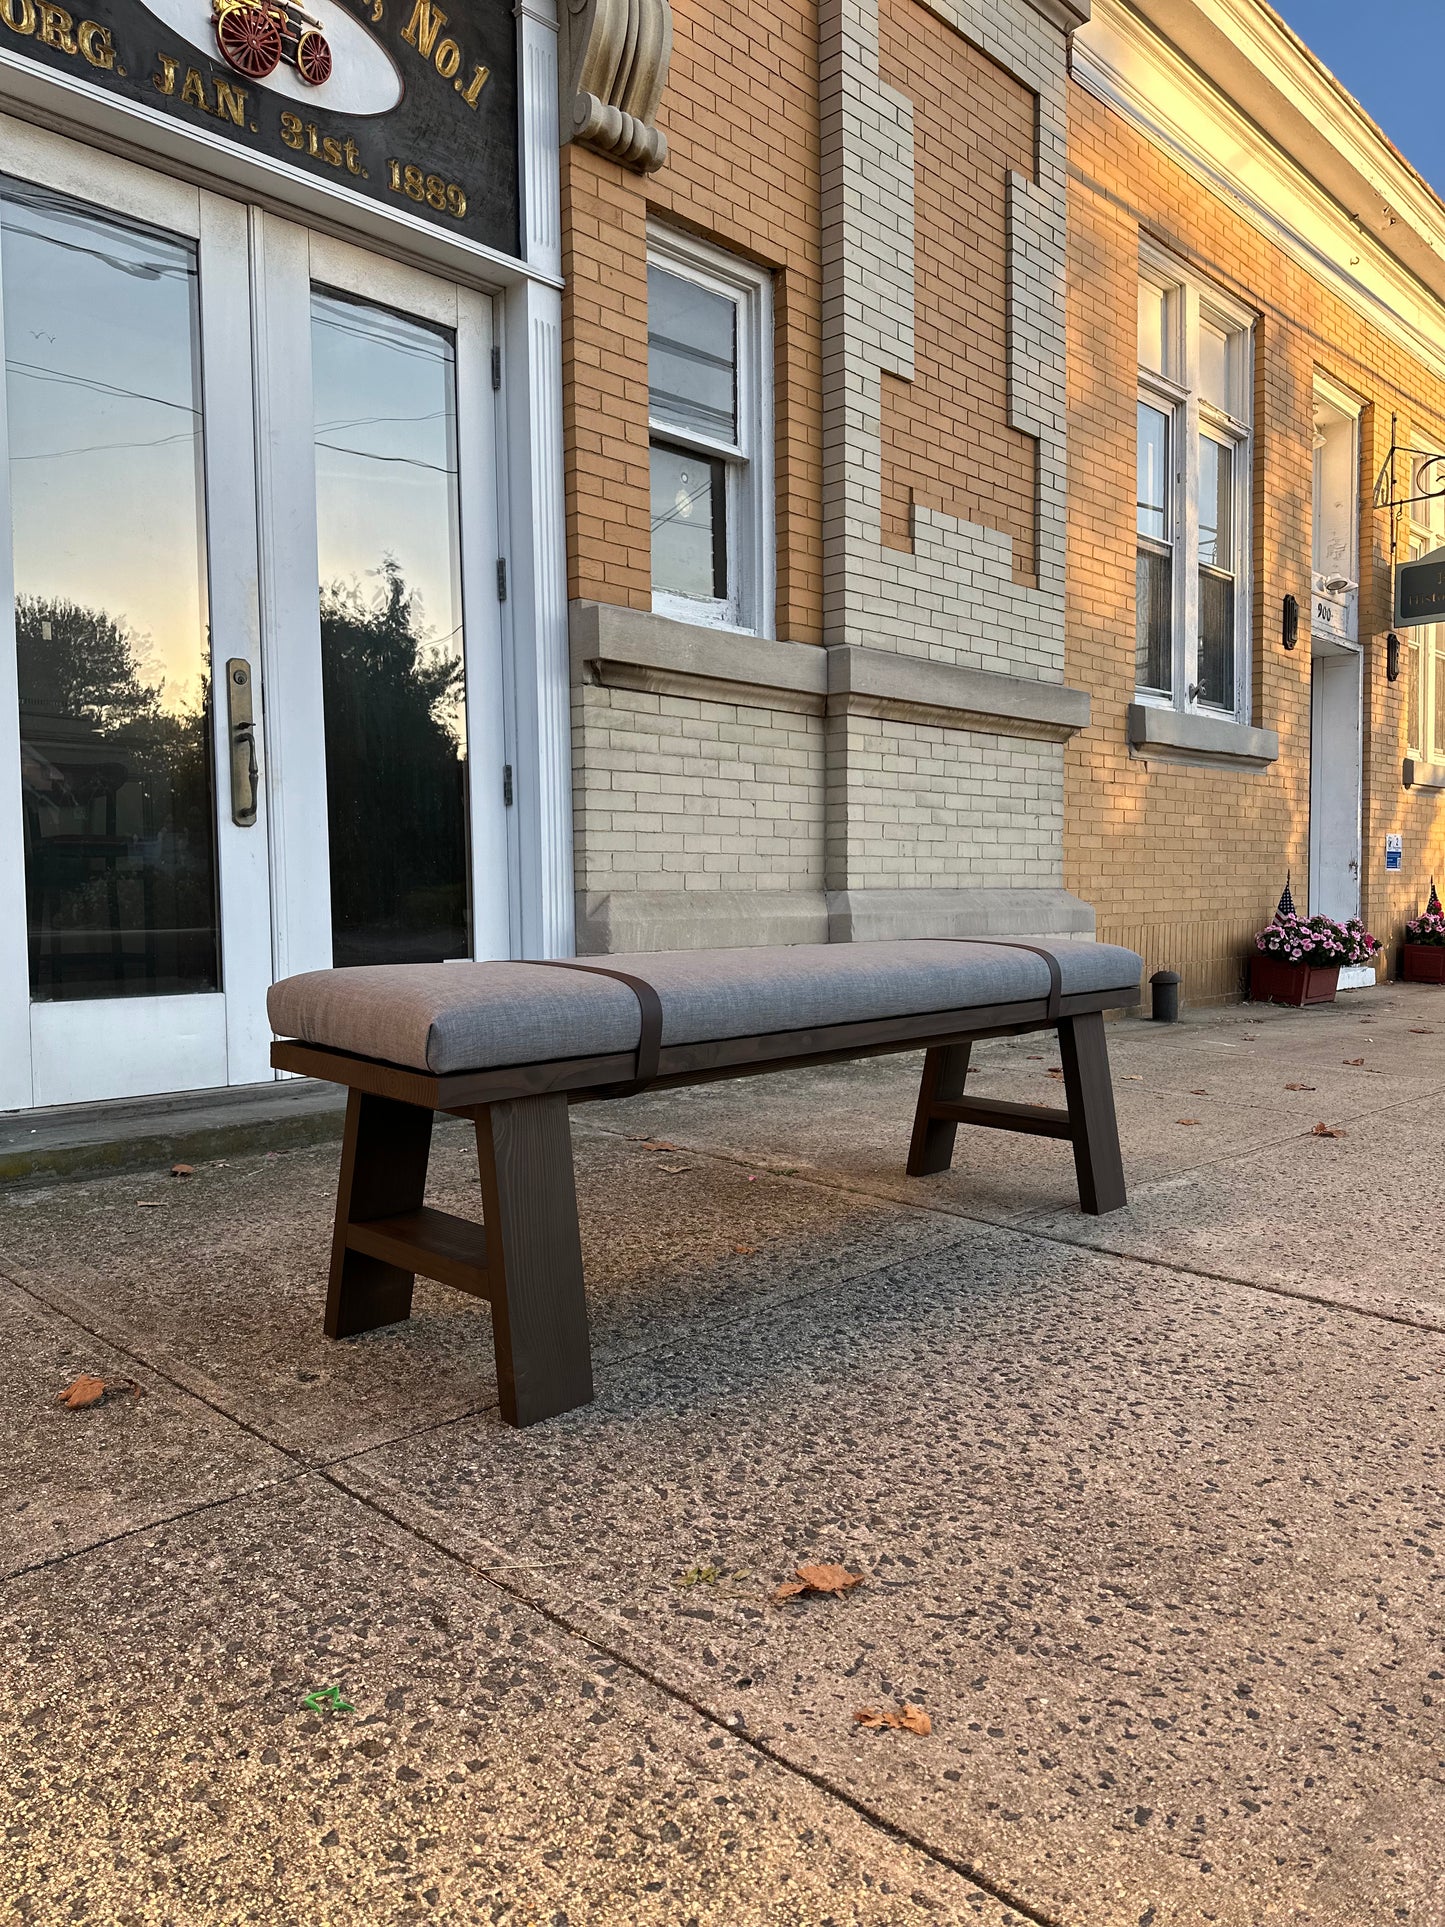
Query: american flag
1432,908
1286,902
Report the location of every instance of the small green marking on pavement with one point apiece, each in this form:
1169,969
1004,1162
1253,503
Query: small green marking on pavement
328,1699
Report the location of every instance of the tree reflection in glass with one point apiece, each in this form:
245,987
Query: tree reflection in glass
102,393
391,634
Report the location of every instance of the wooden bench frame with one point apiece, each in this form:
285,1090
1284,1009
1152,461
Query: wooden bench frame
525,1258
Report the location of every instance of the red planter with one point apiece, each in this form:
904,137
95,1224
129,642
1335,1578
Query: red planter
1424,963
1272,981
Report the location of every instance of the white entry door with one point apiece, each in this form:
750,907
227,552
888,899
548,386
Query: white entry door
251,695
384,696
134,911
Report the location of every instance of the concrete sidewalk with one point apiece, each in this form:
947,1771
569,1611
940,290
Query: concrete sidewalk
1149,1509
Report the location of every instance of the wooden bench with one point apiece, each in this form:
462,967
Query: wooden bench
511,1045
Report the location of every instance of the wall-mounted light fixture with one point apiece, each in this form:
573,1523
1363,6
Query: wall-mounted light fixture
1392,657
1291,621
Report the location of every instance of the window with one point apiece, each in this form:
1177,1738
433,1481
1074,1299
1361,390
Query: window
1425,646
709,366
1192,496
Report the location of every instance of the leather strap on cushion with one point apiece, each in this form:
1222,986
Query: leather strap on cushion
649,1037
1056,975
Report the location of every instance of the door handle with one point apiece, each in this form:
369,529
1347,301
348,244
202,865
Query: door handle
241,728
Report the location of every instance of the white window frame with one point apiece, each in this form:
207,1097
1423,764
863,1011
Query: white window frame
748,461
1425,534
1177,394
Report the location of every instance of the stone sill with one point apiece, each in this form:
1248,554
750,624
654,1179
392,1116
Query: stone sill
1417,775
634,648
1177,736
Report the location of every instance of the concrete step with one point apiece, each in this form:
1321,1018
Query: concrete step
186,1127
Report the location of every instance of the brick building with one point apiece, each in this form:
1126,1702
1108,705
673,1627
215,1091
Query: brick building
814,429
1257,307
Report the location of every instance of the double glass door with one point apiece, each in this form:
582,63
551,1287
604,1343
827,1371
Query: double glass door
254,675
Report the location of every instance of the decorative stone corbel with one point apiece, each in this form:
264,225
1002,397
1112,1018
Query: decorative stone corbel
616,68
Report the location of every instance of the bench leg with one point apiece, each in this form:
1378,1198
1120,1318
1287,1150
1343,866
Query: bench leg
383,1173
1094,1128
534,1258
945,1068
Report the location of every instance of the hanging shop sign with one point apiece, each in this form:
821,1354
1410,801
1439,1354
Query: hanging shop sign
1420,590
408,103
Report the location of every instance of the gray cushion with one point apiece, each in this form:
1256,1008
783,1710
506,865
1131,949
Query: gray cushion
481,1016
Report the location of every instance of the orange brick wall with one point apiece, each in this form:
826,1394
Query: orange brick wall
741,117
1181,862
946,440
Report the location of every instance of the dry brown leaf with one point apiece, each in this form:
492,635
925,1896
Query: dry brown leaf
90,1390
744,1251
1186,1120
1421,1032
1299,1087
1199,1093
1327,1130
833,1580
1132,1077
659,1144
1353,1063
907,1719
83,1391
673,1170
183,1170
1054,1071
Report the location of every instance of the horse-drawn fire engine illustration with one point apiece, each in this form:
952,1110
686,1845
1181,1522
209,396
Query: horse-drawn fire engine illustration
257,35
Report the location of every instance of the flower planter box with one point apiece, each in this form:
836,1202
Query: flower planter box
1274,982
1424,963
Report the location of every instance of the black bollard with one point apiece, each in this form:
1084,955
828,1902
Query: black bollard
1164,1006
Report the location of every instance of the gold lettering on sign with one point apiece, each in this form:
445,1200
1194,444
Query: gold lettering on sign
192,90
230,102
165,81
95,43
57,29
422,29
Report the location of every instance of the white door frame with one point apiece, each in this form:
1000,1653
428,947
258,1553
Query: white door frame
65,1051
289,262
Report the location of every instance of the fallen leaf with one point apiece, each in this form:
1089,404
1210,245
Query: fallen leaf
1327,1130
659,1144
1299,1087
832,1580
1054,1072
1186,1120
1199,1093
1354,1063
90,1390
151,1204
1421,1033
672,1170
908,1719
183,1170
84,1391
744,1251
1132,1077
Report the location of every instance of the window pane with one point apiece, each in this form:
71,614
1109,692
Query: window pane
1216,504
689,531
691,356
1214,371
1216,640
1153,326
1412,691
101,380
391,635
1153,484
1436,645
1154,621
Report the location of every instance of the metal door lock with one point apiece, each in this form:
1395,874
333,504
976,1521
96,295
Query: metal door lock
241,721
